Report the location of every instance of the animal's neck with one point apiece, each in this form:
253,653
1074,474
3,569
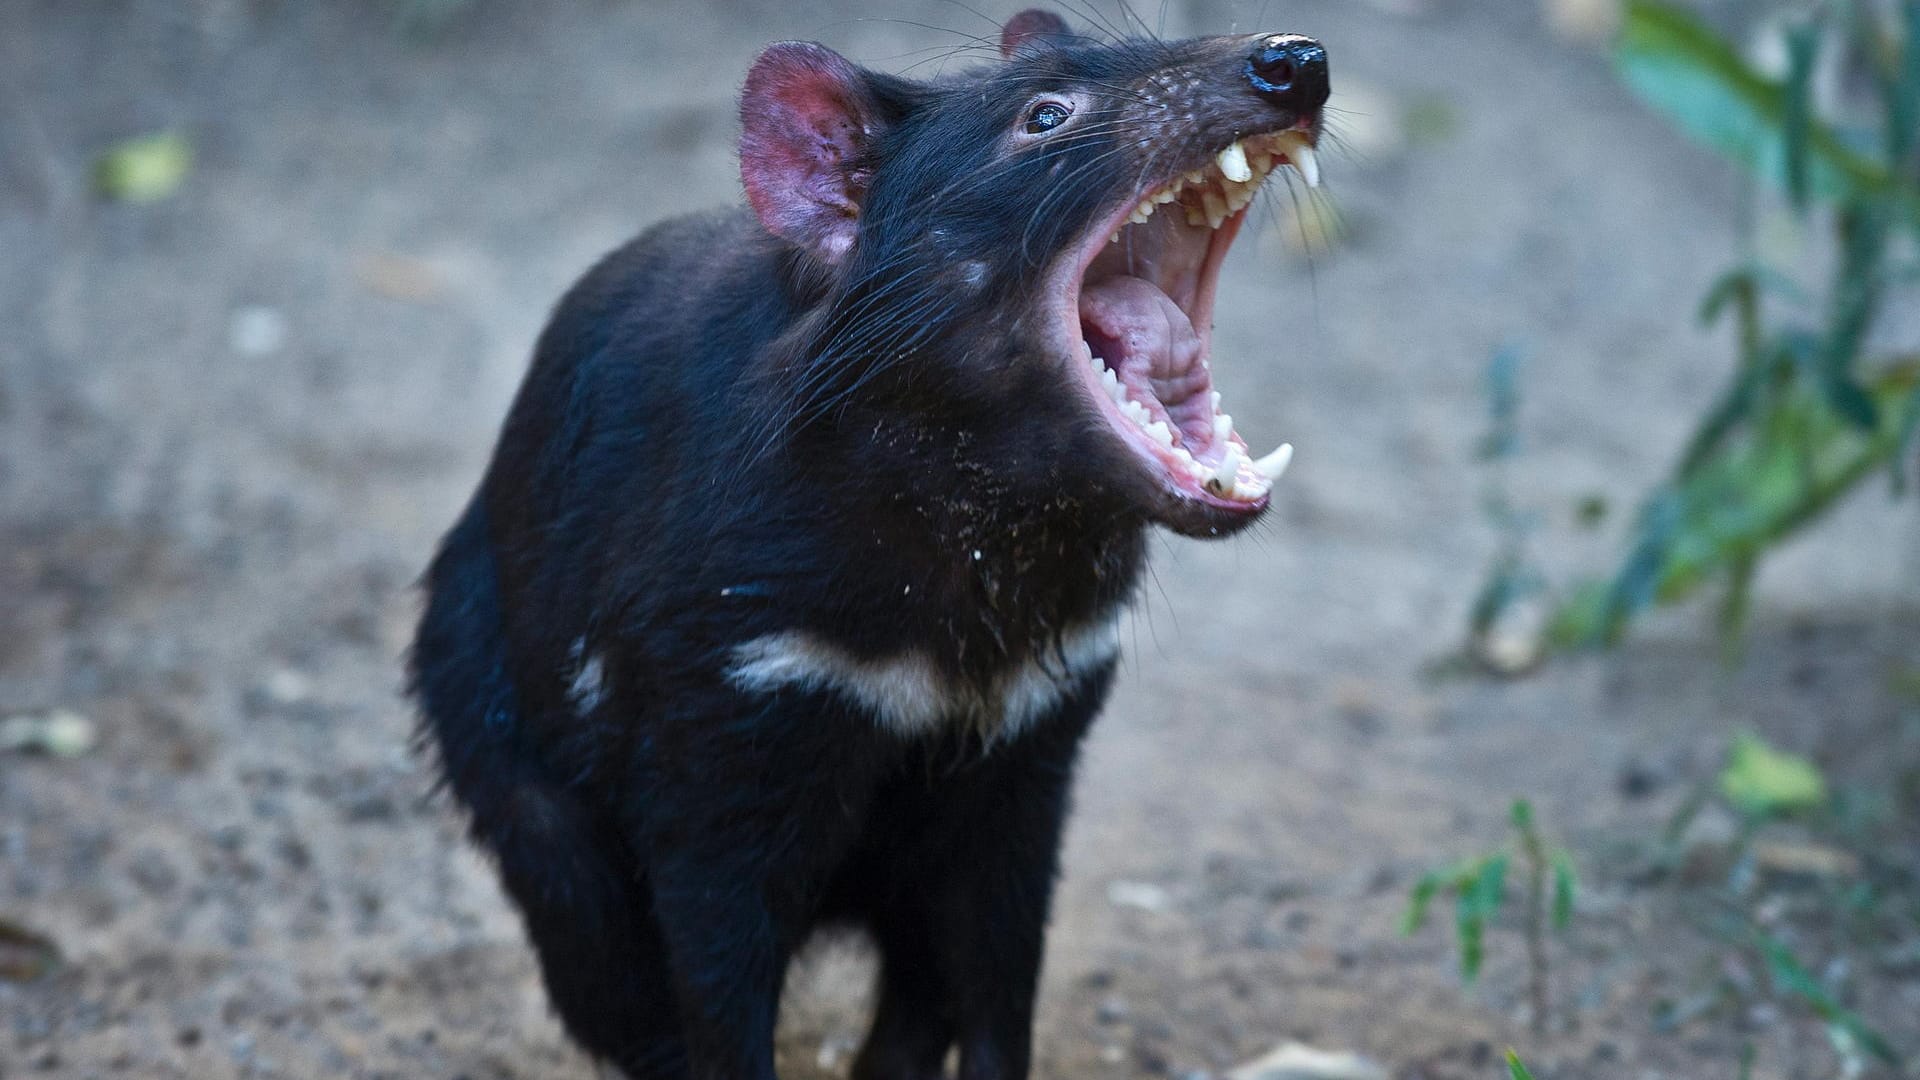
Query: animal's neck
967,556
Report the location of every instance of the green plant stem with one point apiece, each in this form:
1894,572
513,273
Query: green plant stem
1536,931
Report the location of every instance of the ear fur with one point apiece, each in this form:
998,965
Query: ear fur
1030,29
807,119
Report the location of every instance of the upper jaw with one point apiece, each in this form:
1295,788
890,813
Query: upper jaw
1174,235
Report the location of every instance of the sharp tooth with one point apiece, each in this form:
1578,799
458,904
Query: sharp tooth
1216,400
1159,432
1098,364
1165,195
1307,162
1216,208
1274,464
1233,164
1222,427
1222,479
1136,412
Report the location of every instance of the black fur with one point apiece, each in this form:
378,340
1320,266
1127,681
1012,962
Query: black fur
722,437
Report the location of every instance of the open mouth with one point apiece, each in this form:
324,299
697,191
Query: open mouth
1138,303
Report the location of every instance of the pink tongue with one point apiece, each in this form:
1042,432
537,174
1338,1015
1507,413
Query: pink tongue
1129,321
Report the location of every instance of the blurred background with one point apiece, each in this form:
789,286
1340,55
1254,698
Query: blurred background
1569,701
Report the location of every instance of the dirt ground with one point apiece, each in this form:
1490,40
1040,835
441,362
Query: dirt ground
233,423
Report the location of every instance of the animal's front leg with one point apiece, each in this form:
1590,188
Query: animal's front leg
987,861
745,810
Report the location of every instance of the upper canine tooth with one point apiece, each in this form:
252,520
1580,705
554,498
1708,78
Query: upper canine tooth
1233,163
1307,162
1275,463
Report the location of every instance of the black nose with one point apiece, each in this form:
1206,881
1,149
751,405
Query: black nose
1289,70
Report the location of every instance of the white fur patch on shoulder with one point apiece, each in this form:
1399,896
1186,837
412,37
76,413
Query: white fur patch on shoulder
909,693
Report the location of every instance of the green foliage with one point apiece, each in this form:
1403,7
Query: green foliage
146,169
1678,65
1810,412
1516,1070
1762,782
1845,1029
1766,786
1479,889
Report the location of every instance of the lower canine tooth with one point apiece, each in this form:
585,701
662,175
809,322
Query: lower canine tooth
1274,464
1223,474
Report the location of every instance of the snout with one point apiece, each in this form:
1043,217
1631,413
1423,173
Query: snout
1289,71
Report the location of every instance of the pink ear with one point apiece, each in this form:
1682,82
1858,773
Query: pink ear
806,117
1029,28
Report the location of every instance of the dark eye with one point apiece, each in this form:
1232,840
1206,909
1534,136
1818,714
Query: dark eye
1046,116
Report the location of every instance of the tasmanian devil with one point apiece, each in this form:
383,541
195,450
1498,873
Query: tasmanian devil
791,587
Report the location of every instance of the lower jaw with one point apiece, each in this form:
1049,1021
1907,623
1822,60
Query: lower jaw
1208,519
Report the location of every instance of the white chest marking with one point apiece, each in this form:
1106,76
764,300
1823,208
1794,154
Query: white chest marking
908,693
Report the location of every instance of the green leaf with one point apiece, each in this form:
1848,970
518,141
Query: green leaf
1803,48
1419,900
146,169
1741,497
1791,977
1564,885
1515,1069
1490,885
1522,815
1761,781
1482,889
1679,66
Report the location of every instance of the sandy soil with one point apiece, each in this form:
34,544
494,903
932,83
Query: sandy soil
232,424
